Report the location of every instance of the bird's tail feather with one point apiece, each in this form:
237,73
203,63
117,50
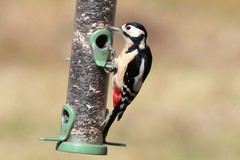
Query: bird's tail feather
109,123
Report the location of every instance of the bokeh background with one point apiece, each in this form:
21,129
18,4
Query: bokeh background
188,107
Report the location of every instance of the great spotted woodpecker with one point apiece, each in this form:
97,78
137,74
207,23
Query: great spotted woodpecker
133,66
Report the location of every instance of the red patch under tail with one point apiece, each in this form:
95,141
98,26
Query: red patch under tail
117,94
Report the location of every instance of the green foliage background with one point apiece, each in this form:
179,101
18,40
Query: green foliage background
188,107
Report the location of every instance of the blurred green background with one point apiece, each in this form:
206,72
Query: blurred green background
188,107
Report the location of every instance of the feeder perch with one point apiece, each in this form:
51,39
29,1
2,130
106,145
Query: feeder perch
68,119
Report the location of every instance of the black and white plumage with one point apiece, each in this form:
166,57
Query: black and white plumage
133,66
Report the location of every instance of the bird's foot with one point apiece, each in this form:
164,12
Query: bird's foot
107,116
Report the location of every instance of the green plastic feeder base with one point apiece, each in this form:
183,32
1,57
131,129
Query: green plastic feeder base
82,148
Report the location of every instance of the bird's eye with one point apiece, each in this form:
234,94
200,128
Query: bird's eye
128,27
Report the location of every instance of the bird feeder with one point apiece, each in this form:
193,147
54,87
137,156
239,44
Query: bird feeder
85,108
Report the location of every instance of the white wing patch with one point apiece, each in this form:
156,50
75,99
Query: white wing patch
138,79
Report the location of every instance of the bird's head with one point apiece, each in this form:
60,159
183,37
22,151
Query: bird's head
132,32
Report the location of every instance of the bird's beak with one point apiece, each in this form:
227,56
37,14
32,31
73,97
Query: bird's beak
115,28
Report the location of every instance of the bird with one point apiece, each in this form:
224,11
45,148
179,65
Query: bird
133,66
